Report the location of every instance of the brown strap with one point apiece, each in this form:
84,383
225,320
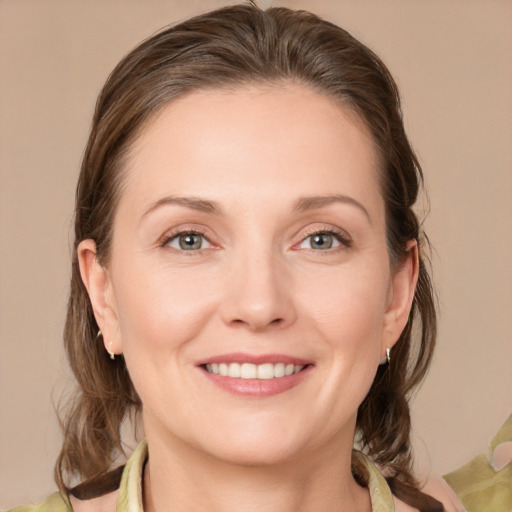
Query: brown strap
98,485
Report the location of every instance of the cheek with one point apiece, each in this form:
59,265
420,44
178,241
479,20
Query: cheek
161,309
349,318
348,305
160,315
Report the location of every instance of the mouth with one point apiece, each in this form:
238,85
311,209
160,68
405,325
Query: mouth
256,376
265,371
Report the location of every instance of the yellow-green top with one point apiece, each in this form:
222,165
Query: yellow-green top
484,484
130,489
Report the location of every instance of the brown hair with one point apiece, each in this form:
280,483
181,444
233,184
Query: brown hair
230,47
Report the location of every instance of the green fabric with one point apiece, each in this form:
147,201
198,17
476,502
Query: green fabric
380,493
53,503
130,489
482,487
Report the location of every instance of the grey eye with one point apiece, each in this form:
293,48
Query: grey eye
189,242
320,241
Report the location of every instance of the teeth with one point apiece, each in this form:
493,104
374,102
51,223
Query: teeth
253,371
223,369
248,371
234,370
265,371
279,369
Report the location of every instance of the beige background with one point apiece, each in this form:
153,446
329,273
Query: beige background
452,60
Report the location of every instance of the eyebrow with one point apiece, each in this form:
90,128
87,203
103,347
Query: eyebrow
193,203
311,203
301,205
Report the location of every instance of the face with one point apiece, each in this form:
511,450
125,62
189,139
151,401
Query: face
249,285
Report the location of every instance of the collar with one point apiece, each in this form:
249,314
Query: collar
130,489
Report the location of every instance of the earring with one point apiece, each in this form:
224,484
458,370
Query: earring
387,358
112,355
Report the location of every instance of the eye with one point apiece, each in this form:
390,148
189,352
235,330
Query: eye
189,241
324,240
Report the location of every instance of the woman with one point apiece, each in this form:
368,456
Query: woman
247,277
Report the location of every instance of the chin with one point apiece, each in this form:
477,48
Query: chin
255,454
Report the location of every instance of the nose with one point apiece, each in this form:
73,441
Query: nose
259,294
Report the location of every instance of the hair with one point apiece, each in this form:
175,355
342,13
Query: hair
227,48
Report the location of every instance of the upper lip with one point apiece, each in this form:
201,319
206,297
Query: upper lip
239,357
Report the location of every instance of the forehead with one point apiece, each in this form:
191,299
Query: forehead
250,141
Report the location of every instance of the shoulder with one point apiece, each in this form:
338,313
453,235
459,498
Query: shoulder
439,489
435,486
53,503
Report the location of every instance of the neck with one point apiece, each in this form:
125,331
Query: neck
180,478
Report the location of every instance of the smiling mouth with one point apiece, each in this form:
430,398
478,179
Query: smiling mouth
264,371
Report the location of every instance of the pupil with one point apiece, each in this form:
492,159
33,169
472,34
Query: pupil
322,241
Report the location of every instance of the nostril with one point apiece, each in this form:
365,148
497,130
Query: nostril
241,322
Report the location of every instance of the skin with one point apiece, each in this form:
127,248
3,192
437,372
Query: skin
257,286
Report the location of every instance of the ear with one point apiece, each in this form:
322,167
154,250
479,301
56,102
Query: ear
403,287
101,294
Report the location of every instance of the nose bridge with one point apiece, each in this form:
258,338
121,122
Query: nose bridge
258,293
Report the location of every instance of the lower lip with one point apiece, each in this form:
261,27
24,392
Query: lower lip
258,388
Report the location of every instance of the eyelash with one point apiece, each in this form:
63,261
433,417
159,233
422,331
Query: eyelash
340,236
168,238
